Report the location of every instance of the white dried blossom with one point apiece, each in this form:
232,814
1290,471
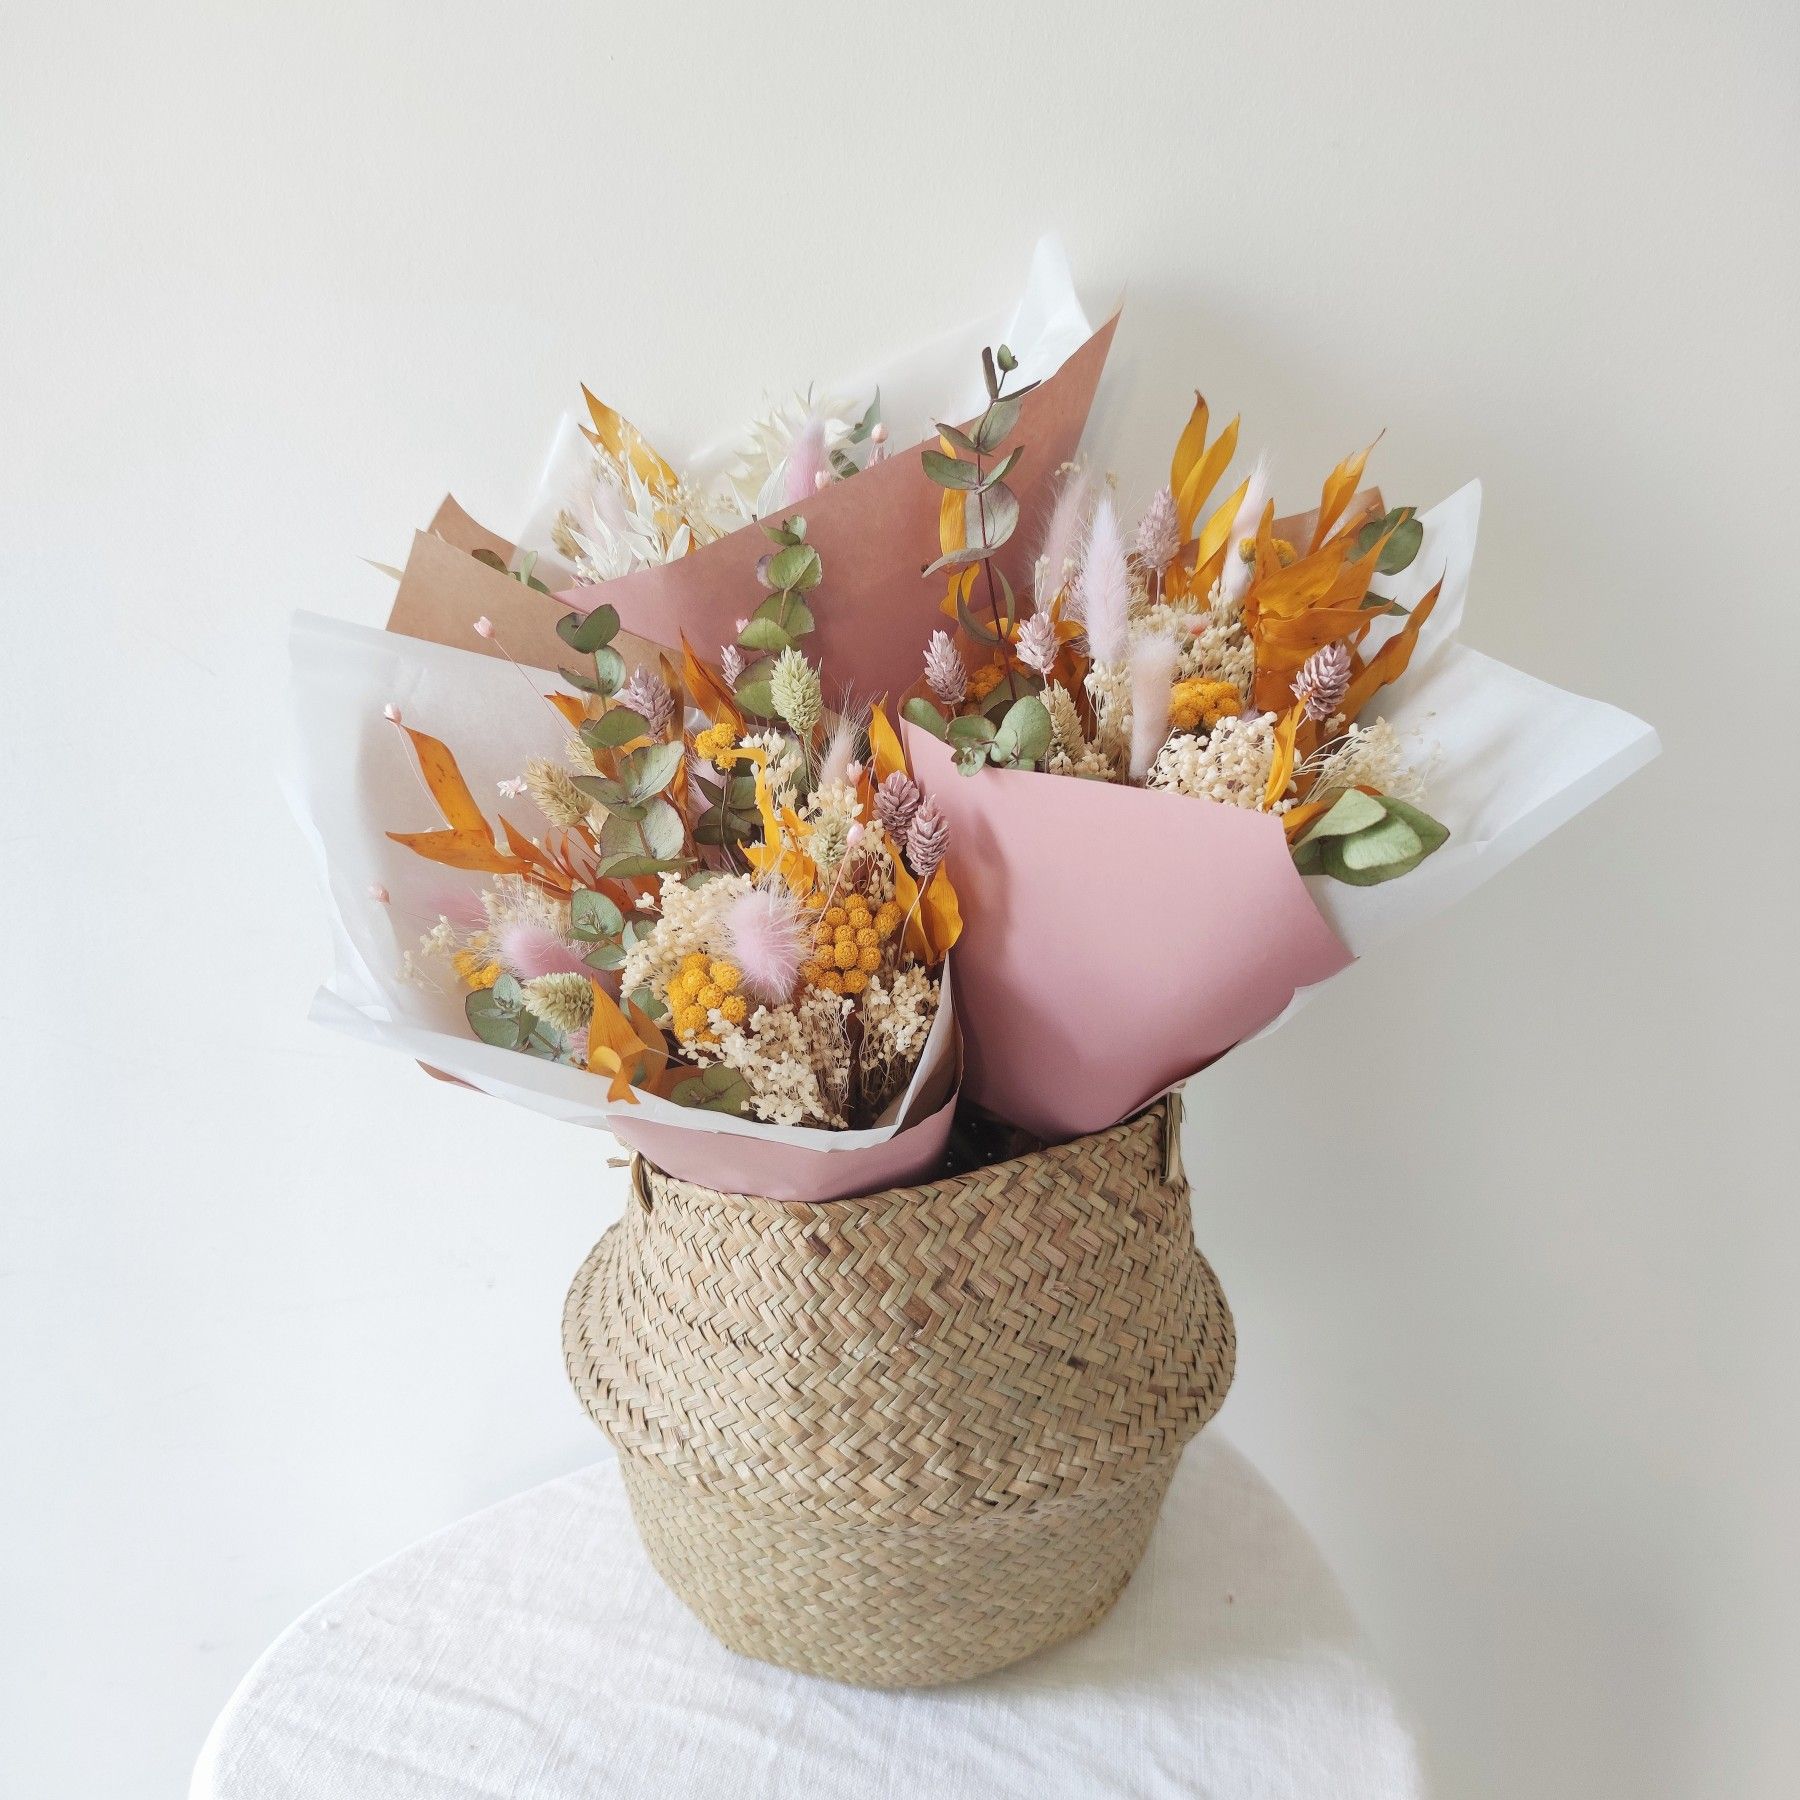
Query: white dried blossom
691,920
1221,649
1230,765
897,1014
795,1059
1109,689
1371,756
786,764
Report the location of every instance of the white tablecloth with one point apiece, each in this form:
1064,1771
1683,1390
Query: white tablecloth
531,1653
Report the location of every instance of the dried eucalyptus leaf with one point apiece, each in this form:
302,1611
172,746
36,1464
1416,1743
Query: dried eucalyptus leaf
617,725
996,423
588,632
919,711
796,569
593,915
948,471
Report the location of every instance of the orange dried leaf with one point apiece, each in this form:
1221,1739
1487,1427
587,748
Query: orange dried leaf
445,781
572,708
1281,770
1390,661
1204,477
1340,484
1189,445
707,691
462,850
885,755
614,1048
618,436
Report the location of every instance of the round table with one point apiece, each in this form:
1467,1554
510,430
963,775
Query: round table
531,1653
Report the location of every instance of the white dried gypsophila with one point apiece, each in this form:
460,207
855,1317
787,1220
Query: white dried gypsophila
786,764
691,920
1230,765
1109,689
1221,650
896,1018
795,1059
1371,756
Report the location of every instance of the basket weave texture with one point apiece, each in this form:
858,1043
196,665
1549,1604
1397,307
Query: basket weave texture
904,1439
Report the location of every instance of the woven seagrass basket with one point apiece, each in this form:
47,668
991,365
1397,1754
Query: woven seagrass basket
905,1439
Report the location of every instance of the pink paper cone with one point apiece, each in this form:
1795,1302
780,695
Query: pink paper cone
874,533
777,1171
1114,939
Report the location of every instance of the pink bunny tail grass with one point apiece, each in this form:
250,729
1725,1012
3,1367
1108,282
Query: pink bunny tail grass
840,752
1062,537
1153,665
460,905
806,462
768,941
526,950
1105,588
1235,576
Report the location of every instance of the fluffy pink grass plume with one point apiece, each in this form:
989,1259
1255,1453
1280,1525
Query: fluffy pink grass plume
768,941
1062,537
807,469
840,752
1153,663
1159,532
1105,588
460,905
526,950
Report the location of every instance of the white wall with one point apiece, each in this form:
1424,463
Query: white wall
1500,1215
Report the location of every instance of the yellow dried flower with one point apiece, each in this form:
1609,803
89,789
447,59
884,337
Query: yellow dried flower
844,955
810,972
1201,702
710,996
887,920
476,972
734,1009
868,960
860,916
690,1021
855,981
716,744
695,959
725,975
835,916
832,982
985,680
867,936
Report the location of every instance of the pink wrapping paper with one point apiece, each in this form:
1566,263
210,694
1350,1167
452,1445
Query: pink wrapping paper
874,532
1115,939
783,1171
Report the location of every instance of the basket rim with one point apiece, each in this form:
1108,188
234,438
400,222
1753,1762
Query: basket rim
1166,1108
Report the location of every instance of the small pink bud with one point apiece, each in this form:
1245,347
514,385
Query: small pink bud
391,713
821,482
878,435
378,892
855,771
854,835
743,625
484,626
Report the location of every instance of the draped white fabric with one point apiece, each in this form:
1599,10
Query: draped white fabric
530,1653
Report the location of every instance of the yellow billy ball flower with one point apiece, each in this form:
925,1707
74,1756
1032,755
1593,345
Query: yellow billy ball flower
810,972
726,975
695,959
867,936
868,960
832,982
710,996
689,1021
1200,702
855,981
834,916
887,920
844,955
734,1009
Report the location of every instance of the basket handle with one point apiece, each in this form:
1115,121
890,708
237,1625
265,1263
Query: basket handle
1173,1109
